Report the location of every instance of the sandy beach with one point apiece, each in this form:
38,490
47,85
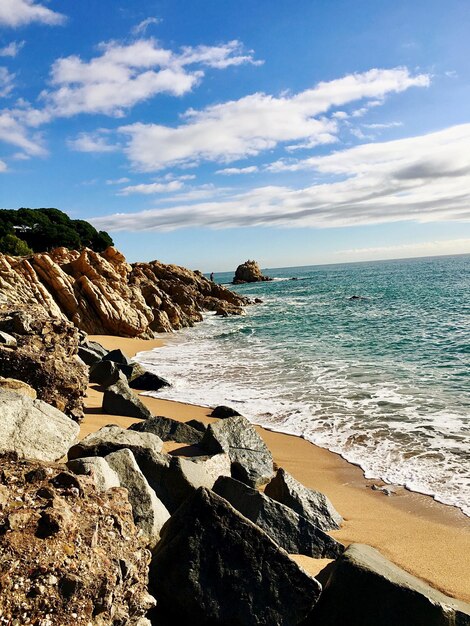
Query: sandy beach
429,540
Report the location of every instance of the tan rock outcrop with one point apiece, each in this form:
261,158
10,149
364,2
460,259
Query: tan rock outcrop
103,294
249,272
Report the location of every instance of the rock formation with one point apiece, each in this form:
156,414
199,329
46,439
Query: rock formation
249,272
45,357
68,553
103,294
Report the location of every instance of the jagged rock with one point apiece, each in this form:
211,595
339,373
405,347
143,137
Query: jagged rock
45,358
131,371
363,587
111,438
148,382
8,340
197,425
292,532
215,465
33,429
169,430
182,478
252,462
311,504
155,467
71,558
117,356
103,294
96,347
95,466
229,571
222,412
149,512
106,373
88,356
17,386
119,399
249,272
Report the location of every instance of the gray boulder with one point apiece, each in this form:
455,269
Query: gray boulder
96,347
105,373
215,465
252,462
290,531
117,356
119,399
8,340
95,466
169,430
363,588
229,572
148,381
148,511
33,429
197,425
182,479
88,355
222,412
111,438
311,504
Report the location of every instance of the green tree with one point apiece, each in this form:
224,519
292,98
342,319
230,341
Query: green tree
11,244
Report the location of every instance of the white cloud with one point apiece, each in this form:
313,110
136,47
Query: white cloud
229,171
3,166
21,12
12,49
426,248
258,122
91,142
118,181
6,82
385,125
152,188
12,131
124,75
423,179
140,28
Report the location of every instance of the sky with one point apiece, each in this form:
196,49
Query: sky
207,132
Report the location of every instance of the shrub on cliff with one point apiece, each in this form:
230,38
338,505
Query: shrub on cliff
44,229
10,244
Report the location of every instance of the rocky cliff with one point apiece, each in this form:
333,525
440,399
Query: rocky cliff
103,294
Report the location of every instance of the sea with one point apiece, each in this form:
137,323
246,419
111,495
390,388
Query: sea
383,379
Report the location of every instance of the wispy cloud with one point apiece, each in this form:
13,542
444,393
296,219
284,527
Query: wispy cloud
6,82
118,181
259,122
3,166
426,248
230,171
92,142
13,131
16,13
141,27
151,188
12,49
424,179
123,75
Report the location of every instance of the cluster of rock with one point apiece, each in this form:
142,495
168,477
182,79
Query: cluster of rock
102,294
249,272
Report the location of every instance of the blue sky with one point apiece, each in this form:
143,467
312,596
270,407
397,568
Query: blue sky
207,132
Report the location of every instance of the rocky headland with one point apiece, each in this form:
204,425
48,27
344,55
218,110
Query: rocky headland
100,293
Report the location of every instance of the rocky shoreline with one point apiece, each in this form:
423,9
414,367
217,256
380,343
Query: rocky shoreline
213,526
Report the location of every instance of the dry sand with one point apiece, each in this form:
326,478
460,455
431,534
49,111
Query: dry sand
428,539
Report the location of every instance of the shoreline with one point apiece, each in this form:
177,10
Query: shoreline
428,539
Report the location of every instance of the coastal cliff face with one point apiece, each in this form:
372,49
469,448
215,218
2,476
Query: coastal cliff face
103,294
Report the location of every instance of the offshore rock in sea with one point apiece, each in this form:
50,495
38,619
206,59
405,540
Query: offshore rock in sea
68,553
103,294
249,272
45,357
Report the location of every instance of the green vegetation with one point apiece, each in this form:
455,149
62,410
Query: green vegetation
39,230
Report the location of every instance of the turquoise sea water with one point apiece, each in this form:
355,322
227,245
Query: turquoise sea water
384,381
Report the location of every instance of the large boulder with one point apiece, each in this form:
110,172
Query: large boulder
119,399
169,430
291,531
249,272
147,381
149,512
111,438
222,412
98,469
228,571
33,429
45,358
17,386
215,465
68,554
105,373
363,587
311,504
252,462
